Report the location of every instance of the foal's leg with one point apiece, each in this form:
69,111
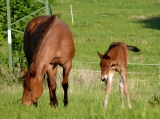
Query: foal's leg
124,86
121,89
66,70
51,72
108,88
107,91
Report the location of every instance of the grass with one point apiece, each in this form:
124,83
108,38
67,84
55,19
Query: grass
96,25
86,93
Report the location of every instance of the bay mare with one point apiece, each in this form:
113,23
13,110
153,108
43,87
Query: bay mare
48,42
116,59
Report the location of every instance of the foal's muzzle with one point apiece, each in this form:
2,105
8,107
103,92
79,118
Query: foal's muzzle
103,79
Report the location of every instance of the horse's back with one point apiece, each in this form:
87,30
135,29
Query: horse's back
31,34
64,38
36,22
54,33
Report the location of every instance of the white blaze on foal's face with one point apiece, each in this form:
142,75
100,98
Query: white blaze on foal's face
105,65
107,68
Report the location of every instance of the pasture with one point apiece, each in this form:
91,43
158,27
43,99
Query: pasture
97,23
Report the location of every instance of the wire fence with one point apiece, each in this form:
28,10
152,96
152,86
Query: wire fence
141,86
138,64
146,73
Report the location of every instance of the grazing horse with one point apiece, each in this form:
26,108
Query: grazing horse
116,59
48,42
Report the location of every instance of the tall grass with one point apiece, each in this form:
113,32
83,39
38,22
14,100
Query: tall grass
97,24
86,94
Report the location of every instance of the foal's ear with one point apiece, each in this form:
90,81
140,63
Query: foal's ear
107,57
100,55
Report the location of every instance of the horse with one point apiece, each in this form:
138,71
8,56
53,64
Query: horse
114,60
48,42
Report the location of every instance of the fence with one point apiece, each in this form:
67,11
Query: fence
134,64
90,79
140,64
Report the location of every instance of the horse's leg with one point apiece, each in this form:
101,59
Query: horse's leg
51,72
125,87
66,70
108,89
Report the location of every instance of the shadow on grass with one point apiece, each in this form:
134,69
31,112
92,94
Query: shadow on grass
151,22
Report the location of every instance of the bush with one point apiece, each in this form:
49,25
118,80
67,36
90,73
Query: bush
155,100
18,10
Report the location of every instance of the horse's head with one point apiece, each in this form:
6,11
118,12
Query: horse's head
107,66
33,88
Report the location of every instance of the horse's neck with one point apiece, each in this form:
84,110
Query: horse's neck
42,56
39,68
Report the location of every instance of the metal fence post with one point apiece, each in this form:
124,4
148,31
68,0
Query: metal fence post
10,62
9,35
46,5
159,70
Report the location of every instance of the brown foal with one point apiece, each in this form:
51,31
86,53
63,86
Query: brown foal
116,59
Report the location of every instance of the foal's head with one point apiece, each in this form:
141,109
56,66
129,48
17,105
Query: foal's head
33,89
107,66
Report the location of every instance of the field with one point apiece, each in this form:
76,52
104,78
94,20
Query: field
97,23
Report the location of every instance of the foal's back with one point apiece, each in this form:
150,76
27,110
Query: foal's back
119,53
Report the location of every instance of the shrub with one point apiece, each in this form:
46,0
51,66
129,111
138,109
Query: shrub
155,100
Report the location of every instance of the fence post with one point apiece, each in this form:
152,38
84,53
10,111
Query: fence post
71,14
46,5
159,70
9,36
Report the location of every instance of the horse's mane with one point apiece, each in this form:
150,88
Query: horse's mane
43,33
46,28
111,47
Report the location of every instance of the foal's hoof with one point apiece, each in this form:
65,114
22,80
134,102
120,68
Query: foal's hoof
130,107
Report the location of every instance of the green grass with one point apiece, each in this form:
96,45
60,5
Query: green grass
97,23
86,94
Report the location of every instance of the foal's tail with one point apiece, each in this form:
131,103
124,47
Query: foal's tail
133,48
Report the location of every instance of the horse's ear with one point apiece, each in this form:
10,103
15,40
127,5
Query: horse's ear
100,55
24,70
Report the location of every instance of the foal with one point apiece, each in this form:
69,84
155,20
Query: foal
116,59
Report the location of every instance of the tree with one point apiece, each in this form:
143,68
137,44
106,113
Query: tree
19,9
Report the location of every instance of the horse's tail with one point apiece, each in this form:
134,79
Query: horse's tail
133,48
